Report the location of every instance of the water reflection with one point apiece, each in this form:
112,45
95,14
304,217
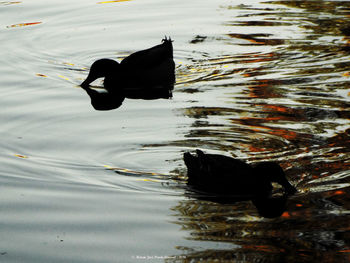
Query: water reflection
285,101
266,206
106,100
146,74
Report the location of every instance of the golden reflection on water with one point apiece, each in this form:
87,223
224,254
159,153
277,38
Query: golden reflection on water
10,2
290,105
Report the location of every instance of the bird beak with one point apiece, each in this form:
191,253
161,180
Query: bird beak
85,84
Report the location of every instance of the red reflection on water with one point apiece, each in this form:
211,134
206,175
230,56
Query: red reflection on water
289,135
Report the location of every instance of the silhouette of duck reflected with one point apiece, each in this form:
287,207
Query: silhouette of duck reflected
104,100
227,176
271,207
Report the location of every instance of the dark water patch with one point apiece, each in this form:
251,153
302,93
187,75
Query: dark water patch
257,39
258,23
198,39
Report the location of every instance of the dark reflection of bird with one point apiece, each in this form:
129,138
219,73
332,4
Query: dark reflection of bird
224,175
104,100
143,72
271,207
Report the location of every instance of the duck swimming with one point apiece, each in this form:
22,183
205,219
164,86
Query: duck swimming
226,176
149,69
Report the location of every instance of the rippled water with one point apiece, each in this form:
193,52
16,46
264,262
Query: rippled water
255,80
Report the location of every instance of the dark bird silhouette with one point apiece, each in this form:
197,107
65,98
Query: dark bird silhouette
139,74
226,180
147,74
226,176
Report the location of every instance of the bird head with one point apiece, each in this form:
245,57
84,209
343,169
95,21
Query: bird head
275,173
100,68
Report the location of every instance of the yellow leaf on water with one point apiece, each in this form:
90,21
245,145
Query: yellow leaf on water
107,2
21,156
24,24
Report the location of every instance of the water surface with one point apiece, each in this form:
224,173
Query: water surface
257,81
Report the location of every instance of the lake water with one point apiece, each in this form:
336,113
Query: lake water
255,80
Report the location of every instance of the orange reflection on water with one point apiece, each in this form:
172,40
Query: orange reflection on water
286,215
24,24
254,149
21,156
289,135
277,108
115,1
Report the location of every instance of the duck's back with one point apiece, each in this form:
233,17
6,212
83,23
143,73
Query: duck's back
149,68
149,57
218,173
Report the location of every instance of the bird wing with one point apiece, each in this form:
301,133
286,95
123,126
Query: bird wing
224,165
149,57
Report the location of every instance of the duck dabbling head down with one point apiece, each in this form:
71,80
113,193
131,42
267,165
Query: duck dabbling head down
224,175
146,68
101,68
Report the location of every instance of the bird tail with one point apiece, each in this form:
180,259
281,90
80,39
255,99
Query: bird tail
167,40
168,44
